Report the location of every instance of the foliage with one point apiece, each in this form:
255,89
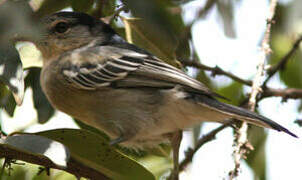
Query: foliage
155,25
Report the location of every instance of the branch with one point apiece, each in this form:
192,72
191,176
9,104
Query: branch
206,138
289,93
109,19
272,71
209,4
73,166
215,71
240,140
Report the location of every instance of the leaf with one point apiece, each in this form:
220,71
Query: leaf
7,100
94,151
11,71
38,145
108,7
44,109
87,127
18,173
81,5
156,28
162,150
159,166
291,74
137,33
256,159
51,6
202,77
17,22
234,92
103,8
30,55
183,49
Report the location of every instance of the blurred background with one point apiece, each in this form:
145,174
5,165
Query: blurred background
223,33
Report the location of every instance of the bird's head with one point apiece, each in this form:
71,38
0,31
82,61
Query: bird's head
65,31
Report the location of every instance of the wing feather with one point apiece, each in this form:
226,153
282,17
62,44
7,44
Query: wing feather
127,69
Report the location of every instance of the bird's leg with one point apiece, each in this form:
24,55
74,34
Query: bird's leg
117,140
122,136
175,142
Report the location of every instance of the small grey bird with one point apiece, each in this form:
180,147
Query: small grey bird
94,75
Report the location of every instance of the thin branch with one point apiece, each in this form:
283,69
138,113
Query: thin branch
241,140
209,4
109,19
206,138
215,71
288,93
272,71
73,166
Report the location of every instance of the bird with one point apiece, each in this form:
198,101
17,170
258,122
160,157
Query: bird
138,100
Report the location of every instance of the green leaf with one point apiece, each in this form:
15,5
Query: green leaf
159,166
183,49
7,100
256,159
156,29
94,151
103,8
108,7
162,150
51,6
82,5
202,77
11,71
18,173
138,33
234,92
44,109
291,74
38,145
82,125
62,176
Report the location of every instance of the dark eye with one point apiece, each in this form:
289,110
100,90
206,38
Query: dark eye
61,27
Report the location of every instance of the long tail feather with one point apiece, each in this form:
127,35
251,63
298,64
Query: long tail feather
243,114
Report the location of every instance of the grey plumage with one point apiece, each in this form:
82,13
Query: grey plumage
123,90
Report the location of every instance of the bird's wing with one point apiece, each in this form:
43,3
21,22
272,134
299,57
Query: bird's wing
102,66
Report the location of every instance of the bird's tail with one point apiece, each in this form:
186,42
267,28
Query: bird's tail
242,114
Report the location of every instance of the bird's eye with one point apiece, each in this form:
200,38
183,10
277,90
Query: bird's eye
61,27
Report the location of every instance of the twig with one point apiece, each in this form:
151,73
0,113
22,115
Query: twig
299,122
206,138
110,18
288,93
240,140
272,71
209,4
175,143
74,167
215,71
